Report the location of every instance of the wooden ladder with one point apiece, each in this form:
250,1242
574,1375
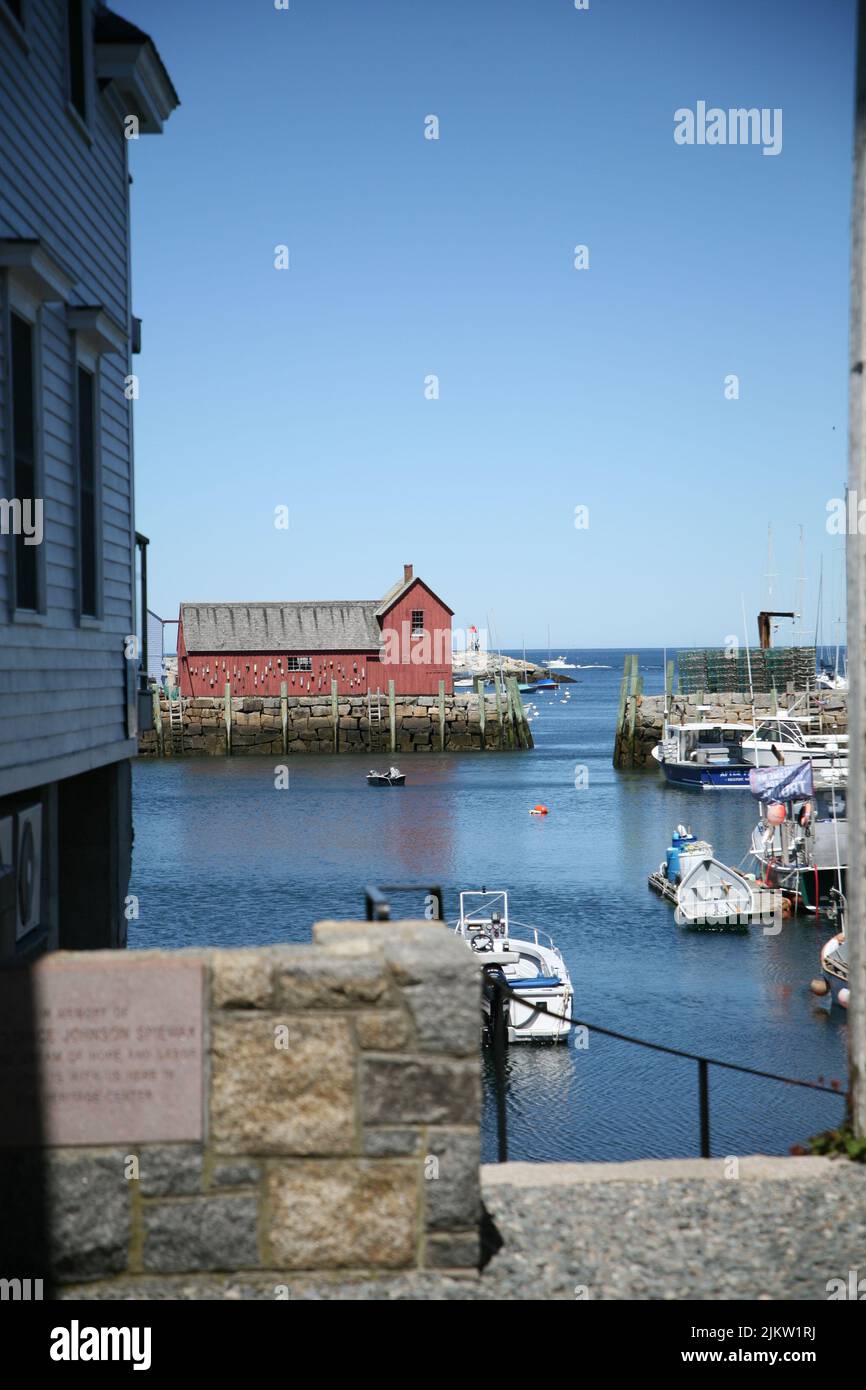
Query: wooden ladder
175,714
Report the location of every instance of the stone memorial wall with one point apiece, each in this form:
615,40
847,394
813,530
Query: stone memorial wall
266,1112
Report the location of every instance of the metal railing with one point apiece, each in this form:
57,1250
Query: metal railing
499,1041
378,909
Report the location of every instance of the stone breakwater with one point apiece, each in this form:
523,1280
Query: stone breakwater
642,717
295,724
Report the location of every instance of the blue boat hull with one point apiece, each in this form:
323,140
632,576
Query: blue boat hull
697,777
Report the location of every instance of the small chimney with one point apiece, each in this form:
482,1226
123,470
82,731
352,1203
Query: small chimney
407,573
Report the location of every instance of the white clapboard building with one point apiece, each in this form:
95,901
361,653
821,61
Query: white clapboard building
78,83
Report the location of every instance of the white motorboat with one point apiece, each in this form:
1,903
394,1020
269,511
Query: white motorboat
523,958
559,663
785,740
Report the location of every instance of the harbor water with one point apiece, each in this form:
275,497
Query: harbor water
224,857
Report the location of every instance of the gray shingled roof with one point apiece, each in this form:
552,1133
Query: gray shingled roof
293,627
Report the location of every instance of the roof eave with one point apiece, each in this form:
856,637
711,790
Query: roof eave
394,597
139,76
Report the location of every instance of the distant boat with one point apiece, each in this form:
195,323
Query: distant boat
559,663
393,778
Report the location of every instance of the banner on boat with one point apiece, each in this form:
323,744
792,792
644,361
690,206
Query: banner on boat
782,783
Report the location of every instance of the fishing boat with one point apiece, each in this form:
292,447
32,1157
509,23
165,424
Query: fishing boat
703,755
800,843
524,959
707,893
393,778
710,755
559,663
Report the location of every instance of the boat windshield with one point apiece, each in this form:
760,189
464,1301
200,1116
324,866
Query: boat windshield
779,730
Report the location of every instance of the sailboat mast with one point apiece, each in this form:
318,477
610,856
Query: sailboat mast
801,587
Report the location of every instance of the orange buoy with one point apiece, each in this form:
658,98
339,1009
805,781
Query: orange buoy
538,810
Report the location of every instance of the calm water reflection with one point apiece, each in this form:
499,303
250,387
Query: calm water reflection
222,858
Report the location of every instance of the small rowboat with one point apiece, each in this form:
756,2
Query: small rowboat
393,778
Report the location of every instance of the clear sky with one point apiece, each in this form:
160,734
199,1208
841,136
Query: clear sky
558,388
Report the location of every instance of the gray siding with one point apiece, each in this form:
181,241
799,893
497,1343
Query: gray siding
63,685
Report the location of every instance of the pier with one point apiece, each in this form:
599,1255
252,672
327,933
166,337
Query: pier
372,723
640,717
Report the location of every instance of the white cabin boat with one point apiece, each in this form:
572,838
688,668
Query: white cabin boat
526,960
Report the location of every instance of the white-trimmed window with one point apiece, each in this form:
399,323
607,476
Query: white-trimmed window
79,43
87,485
417,622
23,387
27,584
299,663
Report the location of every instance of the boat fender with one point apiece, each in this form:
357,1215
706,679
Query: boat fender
819,987
804,815
842,997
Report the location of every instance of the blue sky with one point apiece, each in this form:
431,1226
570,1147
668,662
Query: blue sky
559,388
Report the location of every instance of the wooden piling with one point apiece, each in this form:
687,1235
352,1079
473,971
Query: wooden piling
514,740
284,713
669,682
335,713
442,716
157,724
482,710
499,710
369,720
227,714
637,691
621,711
392,716
521,723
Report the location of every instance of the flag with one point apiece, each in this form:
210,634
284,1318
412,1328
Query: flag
782,783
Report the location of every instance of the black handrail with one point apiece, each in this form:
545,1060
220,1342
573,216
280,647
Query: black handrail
704,1063
378,906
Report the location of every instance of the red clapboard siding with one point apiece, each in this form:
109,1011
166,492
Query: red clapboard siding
416,664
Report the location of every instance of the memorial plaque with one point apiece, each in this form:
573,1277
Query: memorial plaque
101,1051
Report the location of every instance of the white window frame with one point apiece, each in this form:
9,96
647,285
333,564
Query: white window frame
17,300
83,356
85,122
